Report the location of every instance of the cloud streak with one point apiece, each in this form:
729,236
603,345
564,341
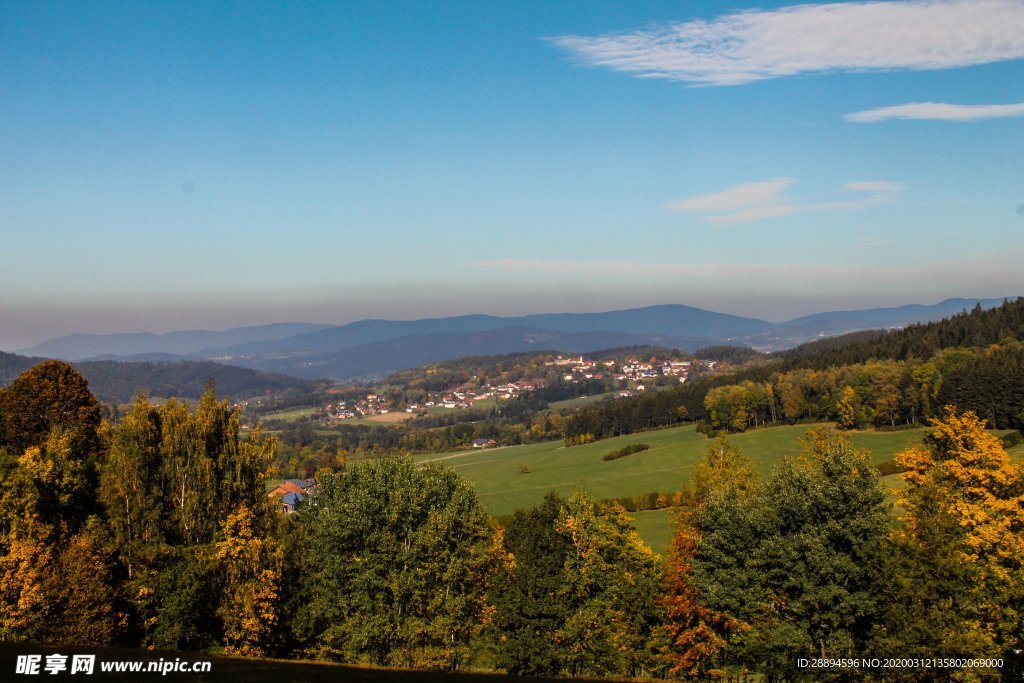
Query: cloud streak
981,274
752,202
938,111
754,45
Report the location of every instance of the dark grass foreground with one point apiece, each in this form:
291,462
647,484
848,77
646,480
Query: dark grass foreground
233,668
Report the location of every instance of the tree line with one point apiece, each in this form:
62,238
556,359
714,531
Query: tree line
988,381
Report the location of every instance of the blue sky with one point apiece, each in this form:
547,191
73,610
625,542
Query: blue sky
207,165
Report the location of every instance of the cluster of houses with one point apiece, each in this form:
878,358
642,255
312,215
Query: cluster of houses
372,404
631,374
632,370
462,397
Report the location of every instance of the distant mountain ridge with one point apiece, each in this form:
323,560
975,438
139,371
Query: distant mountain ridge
184,342
372,348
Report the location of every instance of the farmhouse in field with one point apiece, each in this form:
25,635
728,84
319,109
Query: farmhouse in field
484,443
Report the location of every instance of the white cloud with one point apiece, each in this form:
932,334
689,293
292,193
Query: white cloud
752,202
938,111
753,45
736,196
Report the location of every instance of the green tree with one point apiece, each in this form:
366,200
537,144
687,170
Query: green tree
793,561
611,582
400,557
50,395
526,593
697,634
130,485
930,594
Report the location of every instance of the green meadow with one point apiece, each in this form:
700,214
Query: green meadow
516,477
293,415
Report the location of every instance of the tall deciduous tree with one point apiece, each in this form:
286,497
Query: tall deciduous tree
401,557
130,485
697,634
251,565
979,487
610,581
52,394
793,561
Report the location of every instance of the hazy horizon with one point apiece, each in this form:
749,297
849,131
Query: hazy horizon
100,327
225,164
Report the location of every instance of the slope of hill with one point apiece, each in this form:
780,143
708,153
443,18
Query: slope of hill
842,322
120,382
376,359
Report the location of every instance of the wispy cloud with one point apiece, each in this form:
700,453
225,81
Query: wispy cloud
752,202
938,111
753,45
995,274
972,270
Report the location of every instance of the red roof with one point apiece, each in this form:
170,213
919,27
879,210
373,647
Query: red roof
284,488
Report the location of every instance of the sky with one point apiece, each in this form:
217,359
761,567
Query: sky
208,165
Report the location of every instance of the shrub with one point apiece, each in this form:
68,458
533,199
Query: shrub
627,450
889,467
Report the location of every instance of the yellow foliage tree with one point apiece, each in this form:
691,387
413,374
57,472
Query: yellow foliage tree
252,566
984,490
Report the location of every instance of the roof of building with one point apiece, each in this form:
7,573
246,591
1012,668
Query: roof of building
285,488
292,498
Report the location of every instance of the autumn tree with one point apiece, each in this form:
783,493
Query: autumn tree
698,635
962,484
251,566
56,574
610,582
50,395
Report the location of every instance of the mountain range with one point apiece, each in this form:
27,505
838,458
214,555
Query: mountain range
373,348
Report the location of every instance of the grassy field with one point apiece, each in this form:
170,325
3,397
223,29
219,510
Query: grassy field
292,415
570,403
665,467
656,527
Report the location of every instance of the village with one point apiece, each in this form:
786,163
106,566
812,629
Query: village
624,378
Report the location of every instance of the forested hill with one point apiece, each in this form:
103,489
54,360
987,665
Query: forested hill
974,360
120,382
968,329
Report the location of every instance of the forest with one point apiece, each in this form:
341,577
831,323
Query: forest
972,360
157,532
